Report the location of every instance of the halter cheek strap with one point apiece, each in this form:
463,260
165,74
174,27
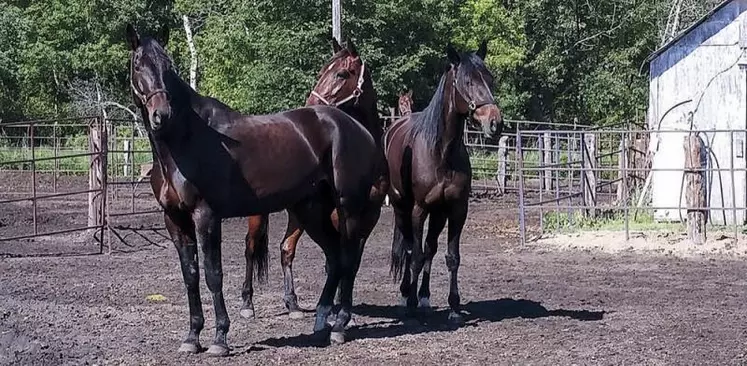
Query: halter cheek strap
146,98
355,95
473,104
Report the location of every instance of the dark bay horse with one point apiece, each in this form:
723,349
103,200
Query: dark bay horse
345,83
431,174
216,163
405,103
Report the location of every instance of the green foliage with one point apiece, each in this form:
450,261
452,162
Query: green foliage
554,60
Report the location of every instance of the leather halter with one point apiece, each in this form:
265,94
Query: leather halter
143,97
471,103
356,93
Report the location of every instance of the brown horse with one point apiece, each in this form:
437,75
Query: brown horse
344,82
216,163
405,103
431,174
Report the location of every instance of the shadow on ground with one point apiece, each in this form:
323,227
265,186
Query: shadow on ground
393,324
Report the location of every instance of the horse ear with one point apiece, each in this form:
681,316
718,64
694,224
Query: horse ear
163,35
409,93
351,47
483,50
452,53
133,38
335,45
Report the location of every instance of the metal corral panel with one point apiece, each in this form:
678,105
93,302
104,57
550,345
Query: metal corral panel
701,74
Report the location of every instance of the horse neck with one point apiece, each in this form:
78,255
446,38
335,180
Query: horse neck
453,122
368,109
365,110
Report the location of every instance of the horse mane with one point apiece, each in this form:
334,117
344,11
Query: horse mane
429,123
159,56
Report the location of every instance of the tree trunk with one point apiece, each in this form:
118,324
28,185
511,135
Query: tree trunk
192,53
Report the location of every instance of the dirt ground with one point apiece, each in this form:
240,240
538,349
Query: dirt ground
538,304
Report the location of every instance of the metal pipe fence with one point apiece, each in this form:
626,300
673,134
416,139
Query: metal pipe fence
566,175
609,183
73,175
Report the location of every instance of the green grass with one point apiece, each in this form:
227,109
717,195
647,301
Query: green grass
75,145
640,220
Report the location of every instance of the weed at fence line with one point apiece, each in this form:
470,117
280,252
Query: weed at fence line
609,220
72,145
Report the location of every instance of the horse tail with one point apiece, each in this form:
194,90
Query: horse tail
259,255
401,246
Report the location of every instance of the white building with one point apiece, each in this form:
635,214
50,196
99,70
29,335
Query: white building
700,77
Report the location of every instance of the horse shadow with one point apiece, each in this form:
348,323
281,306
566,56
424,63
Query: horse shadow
394,324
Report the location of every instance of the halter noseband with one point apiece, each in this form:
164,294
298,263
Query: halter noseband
355,95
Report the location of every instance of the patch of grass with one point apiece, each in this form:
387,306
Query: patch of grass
641,220
73,145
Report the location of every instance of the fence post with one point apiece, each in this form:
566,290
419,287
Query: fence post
695,194
621,171
589,173
502,161
547,161
97,177
126,166
94,147
520,171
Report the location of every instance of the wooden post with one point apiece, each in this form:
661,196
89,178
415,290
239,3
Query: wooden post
694,190
94,172
589,181
547,161
502,161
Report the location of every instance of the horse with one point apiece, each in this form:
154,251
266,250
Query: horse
431,174
345,83
405,103
216,163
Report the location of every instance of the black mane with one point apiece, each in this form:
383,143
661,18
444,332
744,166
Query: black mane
429,123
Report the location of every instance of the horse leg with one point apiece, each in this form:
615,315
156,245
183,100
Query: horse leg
436,224
401,259
457,217
418,258
181,230
353,230
255,251
208,232
314,215
293,233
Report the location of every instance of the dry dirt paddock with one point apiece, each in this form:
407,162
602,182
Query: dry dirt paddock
552,302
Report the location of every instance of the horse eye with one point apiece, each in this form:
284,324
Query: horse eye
343,74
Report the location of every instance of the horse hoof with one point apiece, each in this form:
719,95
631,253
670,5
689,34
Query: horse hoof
456,319
351,323
402,301
337,338
425,303
217,350
189,348
295,314
247,313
